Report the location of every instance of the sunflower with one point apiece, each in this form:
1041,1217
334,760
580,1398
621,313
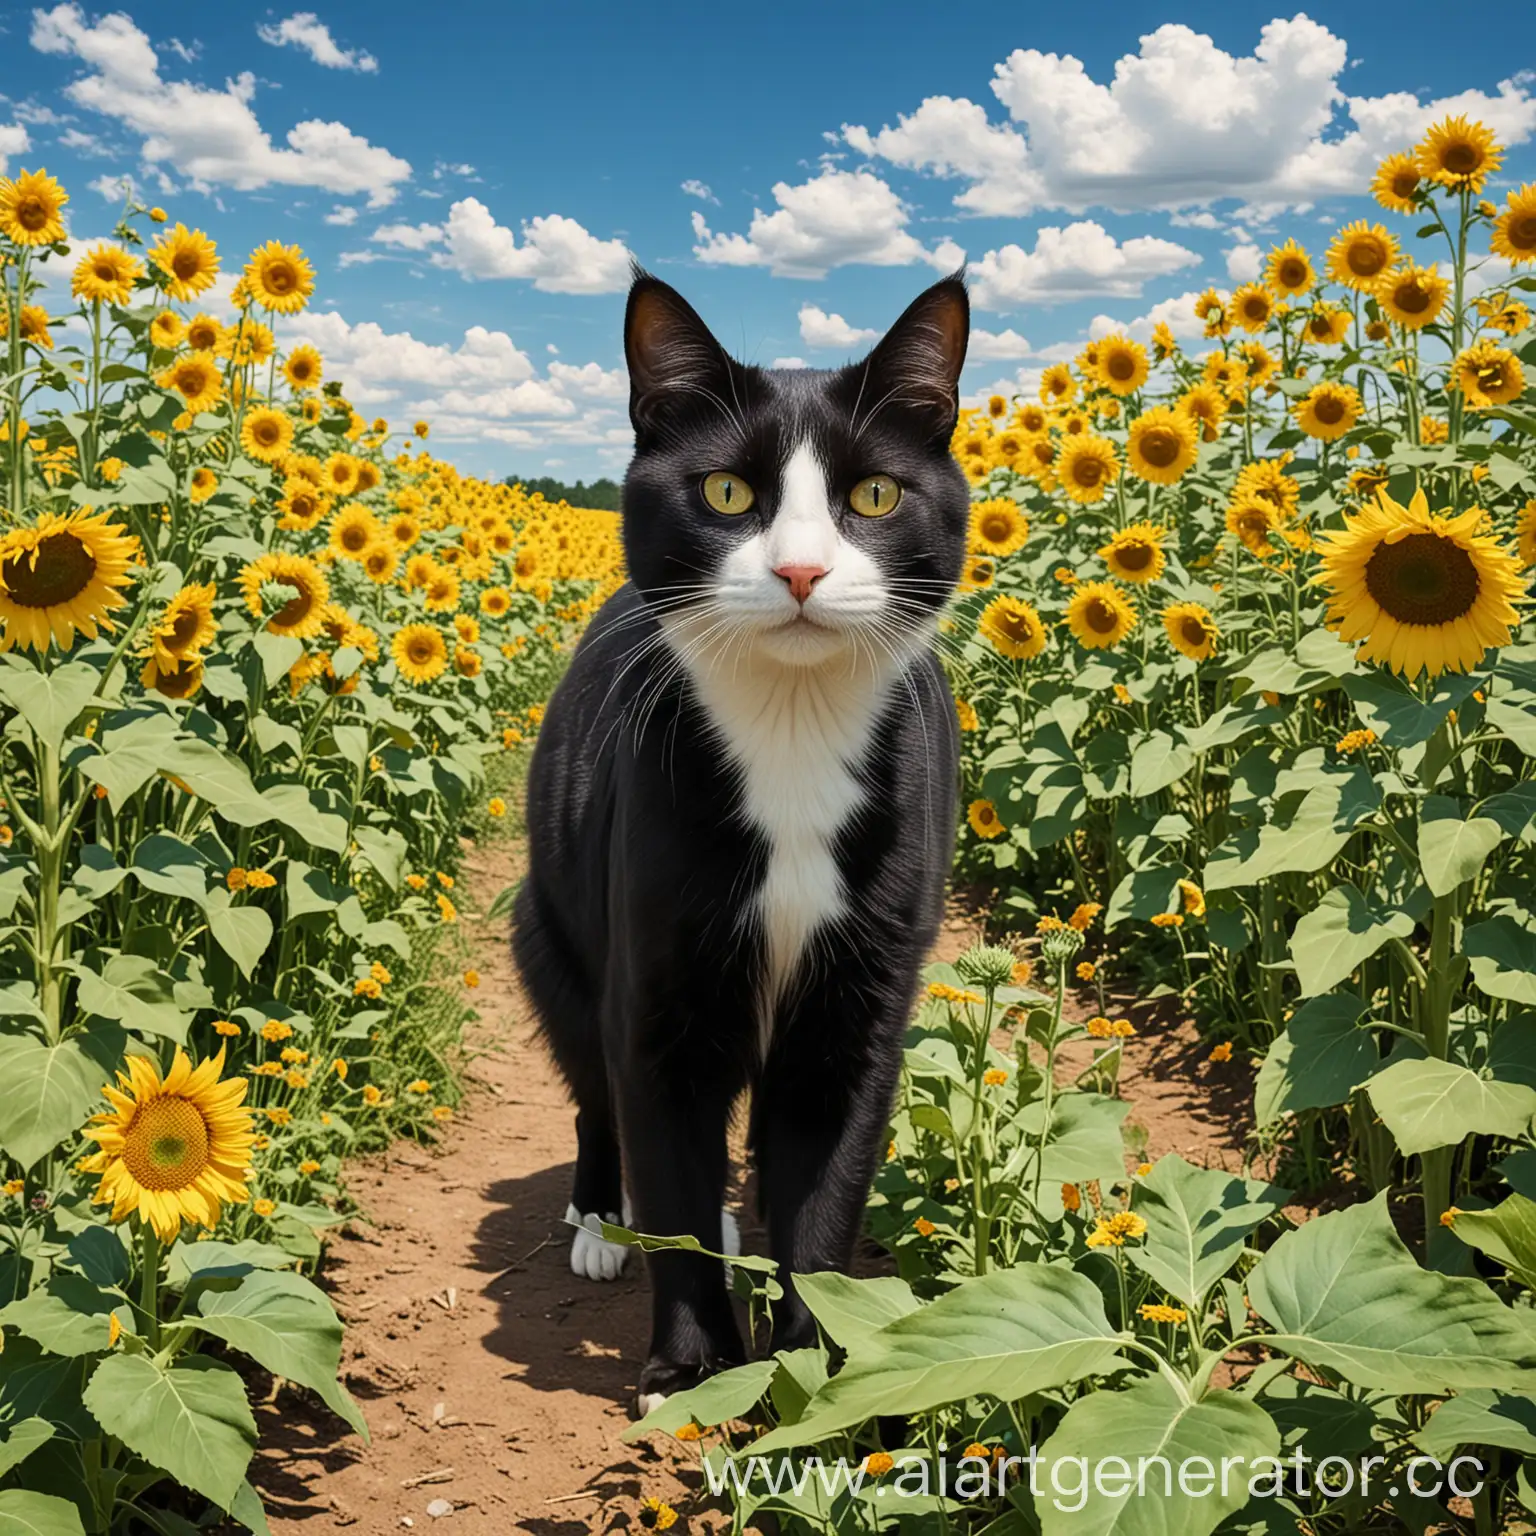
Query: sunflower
1328,410
1099,616
1419,592
1267,480
495,601
61,576
998,527
176,680
467,662
977,574
1032,418
1205,404
174,1151
186,626
1252,520
1135,554
420,652
1327,324
1057,386
1252,306
301,610
1191,629
1396,184
167,330
204,334
105,275
339,475
30,208
266,434
1161,445
984,820
1258,363
34,327
354,531
203,484
1088,467
1360,253
1211,310
1289,269
367,476
303,367
1012,627
279,278
1164,342
188,261
1458,153
1226,371
1498,310
1514,231
1525,534
197,378
310,409
1122,364
379,562
442,591
1088,362
1412,295
1488,375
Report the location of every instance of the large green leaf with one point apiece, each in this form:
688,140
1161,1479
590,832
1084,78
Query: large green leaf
50,702
1084,1141
1003,1335
1453,846
1506,1233
1321,1059
171,867
1312,839
1340,932
67,1314
25,1513
1344,1294
190,1419
21,1439
1158,1464
242,931
285,1323
718,1400
1158,762
1197,1220
1503,956
850,1310
1396,712
50,1091
1504,1419
1430,1103
133,990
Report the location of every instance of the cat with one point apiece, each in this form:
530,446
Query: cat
741,806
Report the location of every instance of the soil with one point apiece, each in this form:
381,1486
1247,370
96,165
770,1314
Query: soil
495,1383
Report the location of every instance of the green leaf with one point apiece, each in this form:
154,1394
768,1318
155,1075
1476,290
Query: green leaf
1312,839
1166,1445
310,890
1502,1419
301,811
730,1395
130,756
99,873
1143,893
212,1259
243,932
1318,1062
67,1314
1452,846
1084,1142
190,1419
1516,724
50,1091
171,867
284,1322
1197,1221
50,702
98,1253
1345,1295
386,851
1158,762
20,1441
1431,1103
278,654
133,990
25,1513
1503,956
1340,932
850,1310
1392,709
1506,1233
1002,1335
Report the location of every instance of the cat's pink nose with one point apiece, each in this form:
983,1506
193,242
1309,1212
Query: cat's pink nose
800,578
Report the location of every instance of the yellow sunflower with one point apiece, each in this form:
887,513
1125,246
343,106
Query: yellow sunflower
1525,534
172,1151
354,531
495,601
379,562
1032,418
1211,309
1205,404
1328,410
30,207
1258,363
1099,615
1267,480
1087,468
467,662
197,378
1514,231
978,573
1419,592
1396,183
1057,386
1012,628
186,626
188,261
174,680
1135,554
1252,520
310,409
1161,445
1226,371
303,367
1252,306
1123,364
1488,375
1327,325
1164,342
442,591
167,330
1360,253
420,652
1289,270
998,526
339,476
300,609
266,434
34,327
1412,296
105,275
62,576
1458,153
279,278
984,820
203,484
204,334
1191,629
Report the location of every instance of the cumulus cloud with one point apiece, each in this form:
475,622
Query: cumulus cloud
1181,123
342,214
410,237
839,218
696,188
1079,262
305,30
995,347
1178,314
1244,262
13,141
819,329
211,137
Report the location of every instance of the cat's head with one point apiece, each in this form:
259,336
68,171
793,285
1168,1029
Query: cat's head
797,516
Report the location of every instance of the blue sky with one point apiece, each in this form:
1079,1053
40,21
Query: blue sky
470,179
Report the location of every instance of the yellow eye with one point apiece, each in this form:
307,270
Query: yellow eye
728,493
875,496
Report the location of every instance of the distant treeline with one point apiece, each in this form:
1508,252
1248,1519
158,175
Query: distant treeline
602,494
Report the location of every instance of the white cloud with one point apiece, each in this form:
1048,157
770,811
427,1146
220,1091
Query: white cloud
1201,218
1081,261
357,259
838,218
1178,314
342,214
789,362
995,347
819,329
1181,123
591,380
1025,382
13,141
557,254
211,137
369,358
696,188
86,144
410,237
115,189
1244,262
305,30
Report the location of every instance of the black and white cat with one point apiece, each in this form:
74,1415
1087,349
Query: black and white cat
741,807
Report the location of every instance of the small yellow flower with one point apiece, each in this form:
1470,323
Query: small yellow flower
366,986
1083,915
371,1095
471,979
280,1116
276,1029
1071,1197
15,1186
1143,1169
236,879
497,807
1113,1231
1168,920
1086,970
339,1067
976,1451
114,1331
446,909
380,973
1448,1215
263,1207
416,882
441,1112
687,1432
1354,741
308,1166
1156,1312
878,1463
925,1228
225,1027
994,1077
260,880
1222,1052
418,1085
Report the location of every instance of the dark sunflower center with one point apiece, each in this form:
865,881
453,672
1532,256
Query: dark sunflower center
1160,447
266,432
1256,308
280,277
296,609
1521,232
1100,617
997,528
1193,631
422,651
1253,525
1366,258
183,631
57,571
1088,472
1461,159
166,1146
986,815
1329,410
354,538
1490,375
1423,579
186,264
1136,555
1412,297
1320,326
180,683
1121,366
1405,183
106,272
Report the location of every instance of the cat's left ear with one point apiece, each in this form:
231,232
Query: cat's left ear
917,362
672,355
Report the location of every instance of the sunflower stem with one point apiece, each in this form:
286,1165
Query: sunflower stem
149,1281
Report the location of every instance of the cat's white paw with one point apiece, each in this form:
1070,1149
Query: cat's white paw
649,1402
593,1257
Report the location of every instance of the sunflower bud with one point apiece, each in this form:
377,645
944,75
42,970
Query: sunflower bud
986,965
1061,945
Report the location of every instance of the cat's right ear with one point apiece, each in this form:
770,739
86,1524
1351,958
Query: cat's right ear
671,353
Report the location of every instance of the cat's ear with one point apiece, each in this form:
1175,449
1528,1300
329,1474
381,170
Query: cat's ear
917,363
672,355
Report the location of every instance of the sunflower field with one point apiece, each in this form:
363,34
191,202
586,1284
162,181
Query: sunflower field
262,664
1248,696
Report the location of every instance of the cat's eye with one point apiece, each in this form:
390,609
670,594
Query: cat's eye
875,496
729,494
